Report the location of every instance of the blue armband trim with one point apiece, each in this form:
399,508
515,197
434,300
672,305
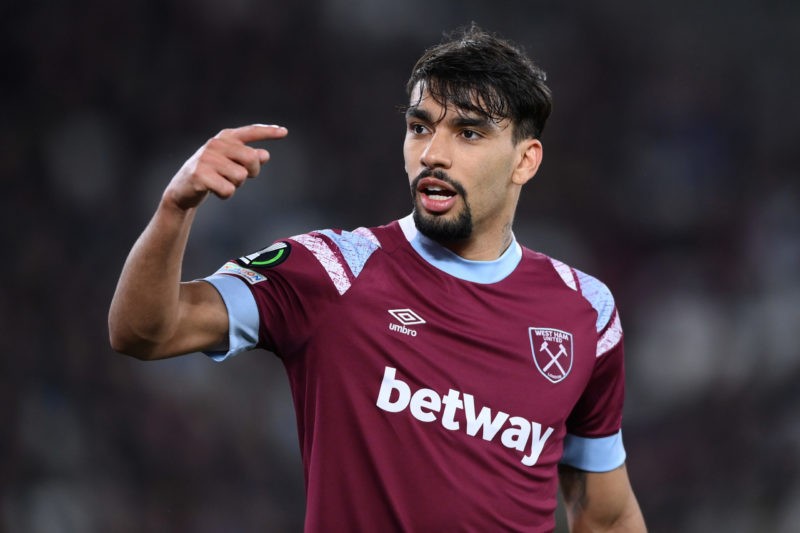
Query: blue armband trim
594,454
242,315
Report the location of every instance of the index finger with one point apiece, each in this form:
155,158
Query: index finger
255,132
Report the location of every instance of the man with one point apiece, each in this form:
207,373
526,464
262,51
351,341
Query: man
444,377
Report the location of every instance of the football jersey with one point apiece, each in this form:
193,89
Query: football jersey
432,393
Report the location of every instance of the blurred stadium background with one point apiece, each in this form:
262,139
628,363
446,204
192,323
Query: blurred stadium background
670,172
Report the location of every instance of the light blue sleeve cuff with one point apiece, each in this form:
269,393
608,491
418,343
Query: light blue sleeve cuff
242,315
594,455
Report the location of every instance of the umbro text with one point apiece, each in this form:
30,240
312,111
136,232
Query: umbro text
402,329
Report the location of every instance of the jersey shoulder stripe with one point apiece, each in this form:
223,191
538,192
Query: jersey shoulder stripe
566,273
356,247
599,296
596,292
611,336
341,254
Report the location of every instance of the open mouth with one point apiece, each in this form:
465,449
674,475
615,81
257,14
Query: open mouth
435,189
436,195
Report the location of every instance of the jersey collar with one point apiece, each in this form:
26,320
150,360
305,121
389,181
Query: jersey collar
455,265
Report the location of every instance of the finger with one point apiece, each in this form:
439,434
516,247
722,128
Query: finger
234,172
254,132
249,158
228,168
220,186
218,183
231,149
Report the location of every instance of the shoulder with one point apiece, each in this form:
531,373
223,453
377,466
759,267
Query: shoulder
343,254
352,247
589,288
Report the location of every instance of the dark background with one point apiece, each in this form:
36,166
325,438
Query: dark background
670,172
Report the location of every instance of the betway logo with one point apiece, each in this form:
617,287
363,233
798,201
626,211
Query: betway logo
517,433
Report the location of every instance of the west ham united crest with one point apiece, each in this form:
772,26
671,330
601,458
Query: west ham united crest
552,352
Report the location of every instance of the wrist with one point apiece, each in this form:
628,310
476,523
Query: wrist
174,206
174,214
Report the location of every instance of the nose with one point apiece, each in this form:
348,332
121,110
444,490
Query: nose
437,153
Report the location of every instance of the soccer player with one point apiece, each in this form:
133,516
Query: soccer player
444,377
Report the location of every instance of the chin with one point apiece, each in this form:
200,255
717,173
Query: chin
446,227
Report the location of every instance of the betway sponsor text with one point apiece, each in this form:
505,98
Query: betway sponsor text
516,432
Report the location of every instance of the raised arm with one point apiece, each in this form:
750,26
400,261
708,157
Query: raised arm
600,502
153,315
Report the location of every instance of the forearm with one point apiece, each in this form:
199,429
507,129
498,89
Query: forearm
600,502
628,520
152,313
145,306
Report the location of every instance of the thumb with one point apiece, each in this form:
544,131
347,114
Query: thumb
263,155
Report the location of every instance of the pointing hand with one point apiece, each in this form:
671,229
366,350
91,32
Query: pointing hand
221,165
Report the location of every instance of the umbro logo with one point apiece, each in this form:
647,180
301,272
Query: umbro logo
406,317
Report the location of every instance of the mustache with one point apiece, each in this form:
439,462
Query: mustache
440,175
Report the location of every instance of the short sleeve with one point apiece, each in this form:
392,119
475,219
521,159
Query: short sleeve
594,427
243,318
275,296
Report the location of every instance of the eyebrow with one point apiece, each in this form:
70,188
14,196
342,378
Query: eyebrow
461,121
473,122
419,113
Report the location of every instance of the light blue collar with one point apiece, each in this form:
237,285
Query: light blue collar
455,265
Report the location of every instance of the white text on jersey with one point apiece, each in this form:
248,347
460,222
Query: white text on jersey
425,403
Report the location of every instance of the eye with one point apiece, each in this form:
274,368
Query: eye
417,129
470,135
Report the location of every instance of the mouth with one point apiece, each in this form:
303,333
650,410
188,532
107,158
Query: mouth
436,196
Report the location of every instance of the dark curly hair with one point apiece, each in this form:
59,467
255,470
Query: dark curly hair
481,73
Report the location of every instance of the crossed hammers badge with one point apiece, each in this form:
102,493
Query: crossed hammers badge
552,352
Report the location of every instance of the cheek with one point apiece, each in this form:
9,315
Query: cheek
494,174
408,157
492,182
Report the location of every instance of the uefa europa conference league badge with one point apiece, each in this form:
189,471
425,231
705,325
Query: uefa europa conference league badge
269,257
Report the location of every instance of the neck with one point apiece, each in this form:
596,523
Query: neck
450,262
482,247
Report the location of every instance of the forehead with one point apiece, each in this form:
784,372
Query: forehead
421,99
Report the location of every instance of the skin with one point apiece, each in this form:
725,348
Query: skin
480,155
153,315
600,502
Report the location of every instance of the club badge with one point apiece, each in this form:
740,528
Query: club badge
552,352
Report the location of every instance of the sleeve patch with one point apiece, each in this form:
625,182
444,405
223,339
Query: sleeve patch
269,257
250,276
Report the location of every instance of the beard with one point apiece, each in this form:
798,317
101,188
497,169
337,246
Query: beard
437,227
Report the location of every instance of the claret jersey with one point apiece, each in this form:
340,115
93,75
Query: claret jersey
432,393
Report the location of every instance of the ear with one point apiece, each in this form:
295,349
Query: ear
530,157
